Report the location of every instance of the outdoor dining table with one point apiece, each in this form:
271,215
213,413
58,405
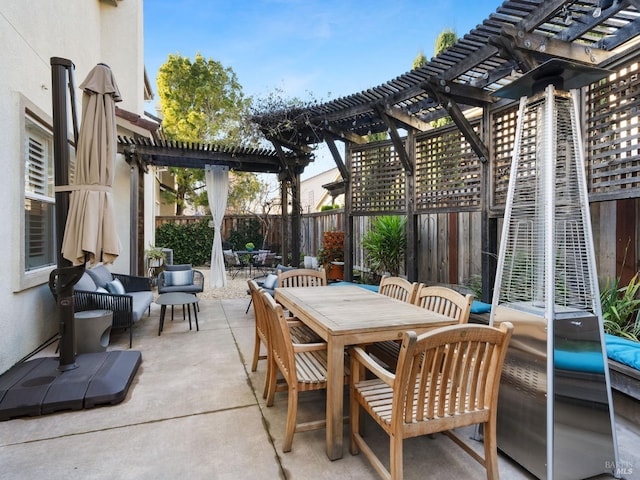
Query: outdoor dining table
351,315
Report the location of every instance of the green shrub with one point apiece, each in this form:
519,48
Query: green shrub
247,232
385,244
190,243
620,307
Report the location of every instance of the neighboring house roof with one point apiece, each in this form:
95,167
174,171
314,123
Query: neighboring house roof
312,193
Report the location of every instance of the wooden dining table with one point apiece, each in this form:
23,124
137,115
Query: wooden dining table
351,315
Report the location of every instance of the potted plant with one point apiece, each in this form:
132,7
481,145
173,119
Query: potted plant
155,256
385,244
249,247
331,255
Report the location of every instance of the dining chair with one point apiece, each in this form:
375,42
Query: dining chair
446,301
398,288
300,333
302,277
232,263
303,368
445,379
443,300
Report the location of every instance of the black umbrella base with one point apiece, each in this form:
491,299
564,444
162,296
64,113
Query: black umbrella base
37,387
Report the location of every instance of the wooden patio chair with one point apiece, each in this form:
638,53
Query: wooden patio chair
445,301
446,378
398,288
303,368
441,300
302,277
299,333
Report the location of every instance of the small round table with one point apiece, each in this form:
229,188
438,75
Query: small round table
177,298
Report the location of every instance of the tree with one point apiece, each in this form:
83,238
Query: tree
419,61
447,38
201,101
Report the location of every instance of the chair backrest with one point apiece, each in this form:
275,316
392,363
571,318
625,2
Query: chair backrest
280,341
302,277
259,310
449,373
230,258
445,301
398,288
178,267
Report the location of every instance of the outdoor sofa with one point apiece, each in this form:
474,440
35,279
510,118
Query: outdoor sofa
128,297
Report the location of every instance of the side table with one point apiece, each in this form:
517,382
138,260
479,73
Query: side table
92,330
177,298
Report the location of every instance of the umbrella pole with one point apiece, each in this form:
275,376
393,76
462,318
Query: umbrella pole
64,277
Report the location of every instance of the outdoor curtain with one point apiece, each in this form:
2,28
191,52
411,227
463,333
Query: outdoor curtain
217,178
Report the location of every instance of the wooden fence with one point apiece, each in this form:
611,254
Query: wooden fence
449,248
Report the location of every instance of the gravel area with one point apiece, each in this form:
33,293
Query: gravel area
236,288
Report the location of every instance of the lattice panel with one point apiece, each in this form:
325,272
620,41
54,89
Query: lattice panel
613,150
503,131
378,181
447,172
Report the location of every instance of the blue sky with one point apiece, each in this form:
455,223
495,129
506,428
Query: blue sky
320,49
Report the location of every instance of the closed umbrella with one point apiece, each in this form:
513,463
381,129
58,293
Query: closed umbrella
90,233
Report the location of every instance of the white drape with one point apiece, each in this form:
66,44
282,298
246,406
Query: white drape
217,178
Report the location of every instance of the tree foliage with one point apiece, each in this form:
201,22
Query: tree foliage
447,38
201,101
419,61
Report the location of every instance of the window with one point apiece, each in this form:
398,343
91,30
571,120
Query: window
39,197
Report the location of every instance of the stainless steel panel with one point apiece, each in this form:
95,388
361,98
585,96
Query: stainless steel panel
582,429
583,444
522,408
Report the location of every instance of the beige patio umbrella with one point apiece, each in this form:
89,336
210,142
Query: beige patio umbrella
90,233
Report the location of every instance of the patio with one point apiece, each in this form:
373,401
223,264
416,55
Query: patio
196,410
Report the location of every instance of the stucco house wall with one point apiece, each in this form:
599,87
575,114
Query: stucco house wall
31,32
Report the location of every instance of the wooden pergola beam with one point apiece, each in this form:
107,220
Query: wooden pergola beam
406,119
476,143
397,140
538,44
337,158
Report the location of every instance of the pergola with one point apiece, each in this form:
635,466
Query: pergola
519,36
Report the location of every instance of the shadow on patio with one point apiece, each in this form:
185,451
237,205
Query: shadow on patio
195,410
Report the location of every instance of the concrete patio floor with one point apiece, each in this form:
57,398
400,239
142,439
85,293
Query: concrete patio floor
195,410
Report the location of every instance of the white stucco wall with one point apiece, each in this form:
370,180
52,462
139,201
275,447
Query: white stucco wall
31,32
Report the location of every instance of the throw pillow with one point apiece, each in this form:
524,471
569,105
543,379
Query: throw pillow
178,278
102,290
116,287
270,282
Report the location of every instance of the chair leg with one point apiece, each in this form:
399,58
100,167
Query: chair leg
292,413
491,450
267,378
256,353
395,457
354,419
271,381
248,306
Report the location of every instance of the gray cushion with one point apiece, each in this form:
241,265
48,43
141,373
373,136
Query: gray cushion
193,288
116,287
174,268
270,282
282,268
85,283
178,278
141,302
100,275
